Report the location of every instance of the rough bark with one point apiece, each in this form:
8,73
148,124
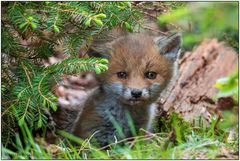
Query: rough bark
193,92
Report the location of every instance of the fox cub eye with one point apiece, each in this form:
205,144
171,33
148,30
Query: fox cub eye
122,75
150,75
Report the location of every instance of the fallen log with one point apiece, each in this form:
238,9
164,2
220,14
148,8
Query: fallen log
193,92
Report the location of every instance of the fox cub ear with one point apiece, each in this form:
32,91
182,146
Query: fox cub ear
103,51
169,46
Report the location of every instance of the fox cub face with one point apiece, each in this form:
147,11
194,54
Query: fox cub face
140,66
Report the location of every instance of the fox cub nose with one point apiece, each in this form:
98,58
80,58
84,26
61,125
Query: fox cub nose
136,93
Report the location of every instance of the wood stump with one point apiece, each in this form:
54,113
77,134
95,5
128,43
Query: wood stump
193,92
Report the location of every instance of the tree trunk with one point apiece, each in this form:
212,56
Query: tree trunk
193,92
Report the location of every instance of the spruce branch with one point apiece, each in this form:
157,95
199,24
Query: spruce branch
76,65
33,32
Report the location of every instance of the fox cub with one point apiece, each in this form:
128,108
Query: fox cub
140,67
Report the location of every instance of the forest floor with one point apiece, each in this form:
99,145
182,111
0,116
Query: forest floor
183,142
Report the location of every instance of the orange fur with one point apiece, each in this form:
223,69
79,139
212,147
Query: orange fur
135,55
126,57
